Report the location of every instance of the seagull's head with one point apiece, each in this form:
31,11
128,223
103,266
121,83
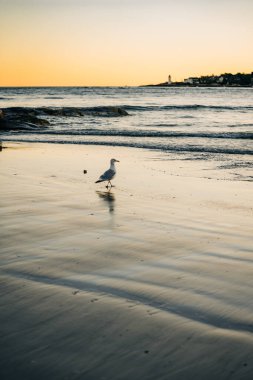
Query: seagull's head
114,160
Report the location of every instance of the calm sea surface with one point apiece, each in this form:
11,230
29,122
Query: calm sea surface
186,123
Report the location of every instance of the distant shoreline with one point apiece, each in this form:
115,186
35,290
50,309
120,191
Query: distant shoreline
222,80
175,84
179,84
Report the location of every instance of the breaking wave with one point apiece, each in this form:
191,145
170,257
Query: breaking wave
145,133
190,107
163,146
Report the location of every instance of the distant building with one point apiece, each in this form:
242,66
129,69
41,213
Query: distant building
169,79
192,80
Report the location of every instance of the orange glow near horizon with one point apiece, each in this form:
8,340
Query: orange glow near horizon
107,42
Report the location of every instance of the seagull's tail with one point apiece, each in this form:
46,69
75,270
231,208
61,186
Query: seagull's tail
99,180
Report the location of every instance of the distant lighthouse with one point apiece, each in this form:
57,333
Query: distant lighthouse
169,79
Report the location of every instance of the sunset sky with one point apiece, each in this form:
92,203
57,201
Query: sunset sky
122,42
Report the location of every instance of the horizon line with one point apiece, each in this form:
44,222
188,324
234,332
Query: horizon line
117,86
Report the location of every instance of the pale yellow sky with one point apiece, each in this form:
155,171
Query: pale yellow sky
122,42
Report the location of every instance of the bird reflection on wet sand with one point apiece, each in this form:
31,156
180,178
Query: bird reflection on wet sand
109,198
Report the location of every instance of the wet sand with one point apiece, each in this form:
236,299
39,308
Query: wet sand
152,280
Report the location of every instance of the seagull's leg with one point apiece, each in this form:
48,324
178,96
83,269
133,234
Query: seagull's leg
107,186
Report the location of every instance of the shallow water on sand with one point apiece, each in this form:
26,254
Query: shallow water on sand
151,280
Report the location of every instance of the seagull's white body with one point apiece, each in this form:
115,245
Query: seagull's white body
109,174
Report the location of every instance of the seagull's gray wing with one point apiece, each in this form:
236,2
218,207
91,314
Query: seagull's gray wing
107,176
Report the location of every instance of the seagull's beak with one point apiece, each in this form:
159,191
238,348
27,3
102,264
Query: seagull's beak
117,160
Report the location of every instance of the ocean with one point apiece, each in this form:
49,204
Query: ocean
214,124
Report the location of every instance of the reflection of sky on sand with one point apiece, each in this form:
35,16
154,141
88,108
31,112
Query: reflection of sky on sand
109,198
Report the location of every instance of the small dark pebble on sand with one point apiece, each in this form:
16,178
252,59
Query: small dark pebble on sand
85,172
75,292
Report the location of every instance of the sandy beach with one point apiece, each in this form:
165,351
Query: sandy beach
151,280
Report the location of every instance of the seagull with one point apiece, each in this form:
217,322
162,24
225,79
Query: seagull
108,174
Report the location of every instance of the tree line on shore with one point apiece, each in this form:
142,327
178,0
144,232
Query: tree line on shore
226,80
